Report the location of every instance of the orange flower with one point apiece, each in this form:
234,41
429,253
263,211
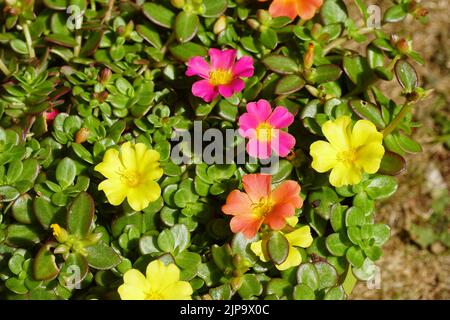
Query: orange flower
259,204
306,9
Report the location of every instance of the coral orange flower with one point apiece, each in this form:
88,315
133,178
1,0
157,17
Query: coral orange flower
259,204
306,9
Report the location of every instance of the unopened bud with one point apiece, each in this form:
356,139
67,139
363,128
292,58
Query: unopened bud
105,75
403,46
308,59
82,135
263,16
316,30
421,12
254,24
220,25
178,3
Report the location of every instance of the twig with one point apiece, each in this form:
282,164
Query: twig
29,41
4,68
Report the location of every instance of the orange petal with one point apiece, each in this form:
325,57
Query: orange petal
288,192
306,9
276,219
283,8
237,203
248,224
257,185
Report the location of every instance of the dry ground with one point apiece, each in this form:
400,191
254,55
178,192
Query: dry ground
407,271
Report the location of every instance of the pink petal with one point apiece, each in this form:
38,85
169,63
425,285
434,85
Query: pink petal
247,125
260,109
203,89
276,219
306,9
288,192
237,203
259,149
222,59
237,85
247,224
197,66
257,185
283,143
244,67
283,8
281,118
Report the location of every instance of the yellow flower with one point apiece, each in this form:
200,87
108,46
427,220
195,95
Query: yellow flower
59,233
349,152
297,238
161,283
130,174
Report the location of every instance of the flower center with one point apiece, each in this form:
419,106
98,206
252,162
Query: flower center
153,295
264,132
131,178
348,157
219,77
263,207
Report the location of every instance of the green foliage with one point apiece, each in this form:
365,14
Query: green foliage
120,76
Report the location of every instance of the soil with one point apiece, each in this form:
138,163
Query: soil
408,271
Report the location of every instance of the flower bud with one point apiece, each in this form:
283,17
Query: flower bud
220,25
178,3
105,75
82,135
254,24
308,59
59,233
263,16
403,46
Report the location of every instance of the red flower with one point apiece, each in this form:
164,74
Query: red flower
260,205
306,9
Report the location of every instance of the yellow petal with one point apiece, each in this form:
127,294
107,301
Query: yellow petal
161,276
324,156
128,292
115,190
111,166
369,157
134,278
293,259
344,174
128,156
153,172
292,221
365,132
338,133
300,237
140,197
180,290
256,248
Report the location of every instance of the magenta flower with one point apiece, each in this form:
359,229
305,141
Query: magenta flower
50,115
262,127
221,76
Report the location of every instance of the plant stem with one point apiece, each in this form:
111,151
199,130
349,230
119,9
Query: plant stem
393,62
337,42
393,125
168,42
4,68
77,49
108,12
29,41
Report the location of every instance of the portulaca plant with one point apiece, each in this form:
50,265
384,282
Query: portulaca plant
199,149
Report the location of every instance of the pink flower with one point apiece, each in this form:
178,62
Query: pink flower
50,115
262,127
221,76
